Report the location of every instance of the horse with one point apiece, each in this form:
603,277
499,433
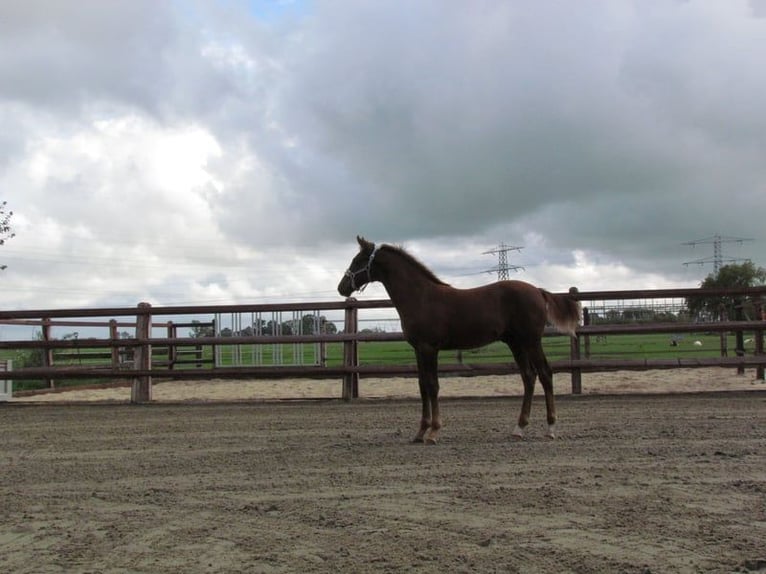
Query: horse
436,316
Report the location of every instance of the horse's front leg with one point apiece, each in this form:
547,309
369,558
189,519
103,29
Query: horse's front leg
425,417
429,395
436,419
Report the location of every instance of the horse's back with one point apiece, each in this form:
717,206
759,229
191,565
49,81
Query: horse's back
523,308
511,309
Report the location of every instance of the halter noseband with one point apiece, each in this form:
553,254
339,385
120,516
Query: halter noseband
367,268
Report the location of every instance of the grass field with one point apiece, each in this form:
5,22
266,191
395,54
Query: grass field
651,346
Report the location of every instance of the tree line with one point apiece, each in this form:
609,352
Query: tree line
306,325
729,308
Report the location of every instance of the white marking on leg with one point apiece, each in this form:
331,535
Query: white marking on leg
552,431
518,432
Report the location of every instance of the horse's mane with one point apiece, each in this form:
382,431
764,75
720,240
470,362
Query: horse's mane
430,275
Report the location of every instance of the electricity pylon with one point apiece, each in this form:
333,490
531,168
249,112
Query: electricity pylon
717,259
502,260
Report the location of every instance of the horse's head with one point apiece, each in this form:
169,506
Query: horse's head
359,272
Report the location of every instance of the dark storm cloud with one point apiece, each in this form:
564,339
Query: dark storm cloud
641,118
621,129
65,55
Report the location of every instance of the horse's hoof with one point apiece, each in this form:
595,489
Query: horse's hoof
431,441
518,433
417,439
551,432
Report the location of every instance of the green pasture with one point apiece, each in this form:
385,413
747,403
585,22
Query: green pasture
644,346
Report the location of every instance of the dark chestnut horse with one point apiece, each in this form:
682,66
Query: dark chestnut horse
436,316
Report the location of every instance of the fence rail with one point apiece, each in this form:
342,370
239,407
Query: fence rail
144,349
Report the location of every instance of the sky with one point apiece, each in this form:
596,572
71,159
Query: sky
199,152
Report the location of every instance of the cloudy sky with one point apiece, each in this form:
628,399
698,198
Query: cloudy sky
200,152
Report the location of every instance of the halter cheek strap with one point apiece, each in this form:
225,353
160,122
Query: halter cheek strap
367,268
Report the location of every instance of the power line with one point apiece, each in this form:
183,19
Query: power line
503,267
717,259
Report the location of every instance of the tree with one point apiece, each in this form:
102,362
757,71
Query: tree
313,325
200,330
326,326
5,226
728,277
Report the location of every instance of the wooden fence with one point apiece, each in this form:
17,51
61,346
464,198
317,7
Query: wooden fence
143,348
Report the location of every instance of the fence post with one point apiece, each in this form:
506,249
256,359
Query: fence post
351,353
141,391
47,351
586,338
574,354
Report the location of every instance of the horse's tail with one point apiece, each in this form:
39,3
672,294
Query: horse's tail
563,310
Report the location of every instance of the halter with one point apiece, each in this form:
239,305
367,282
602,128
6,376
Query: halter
367,268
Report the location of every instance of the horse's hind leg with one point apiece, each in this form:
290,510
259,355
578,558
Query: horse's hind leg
528,377
545,373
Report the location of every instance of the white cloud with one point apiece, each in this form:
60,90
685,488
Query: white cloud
230,151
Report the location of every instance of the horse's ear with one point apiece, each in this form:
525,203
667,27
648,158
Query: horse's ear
363,243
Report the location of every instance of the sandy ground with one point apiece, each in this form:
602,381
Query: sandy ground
658,381
636,483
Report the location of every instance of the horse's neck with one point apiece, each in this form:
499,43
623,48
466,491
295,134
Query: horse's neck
405,284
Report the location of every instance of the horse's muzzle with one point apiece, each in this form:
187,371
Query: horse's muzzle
344,287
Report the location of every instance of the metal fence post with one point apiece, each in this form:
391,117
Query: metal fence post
739,336
586,338
141,392
758,336
172,349
6,385
574,353
722,316
114,335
